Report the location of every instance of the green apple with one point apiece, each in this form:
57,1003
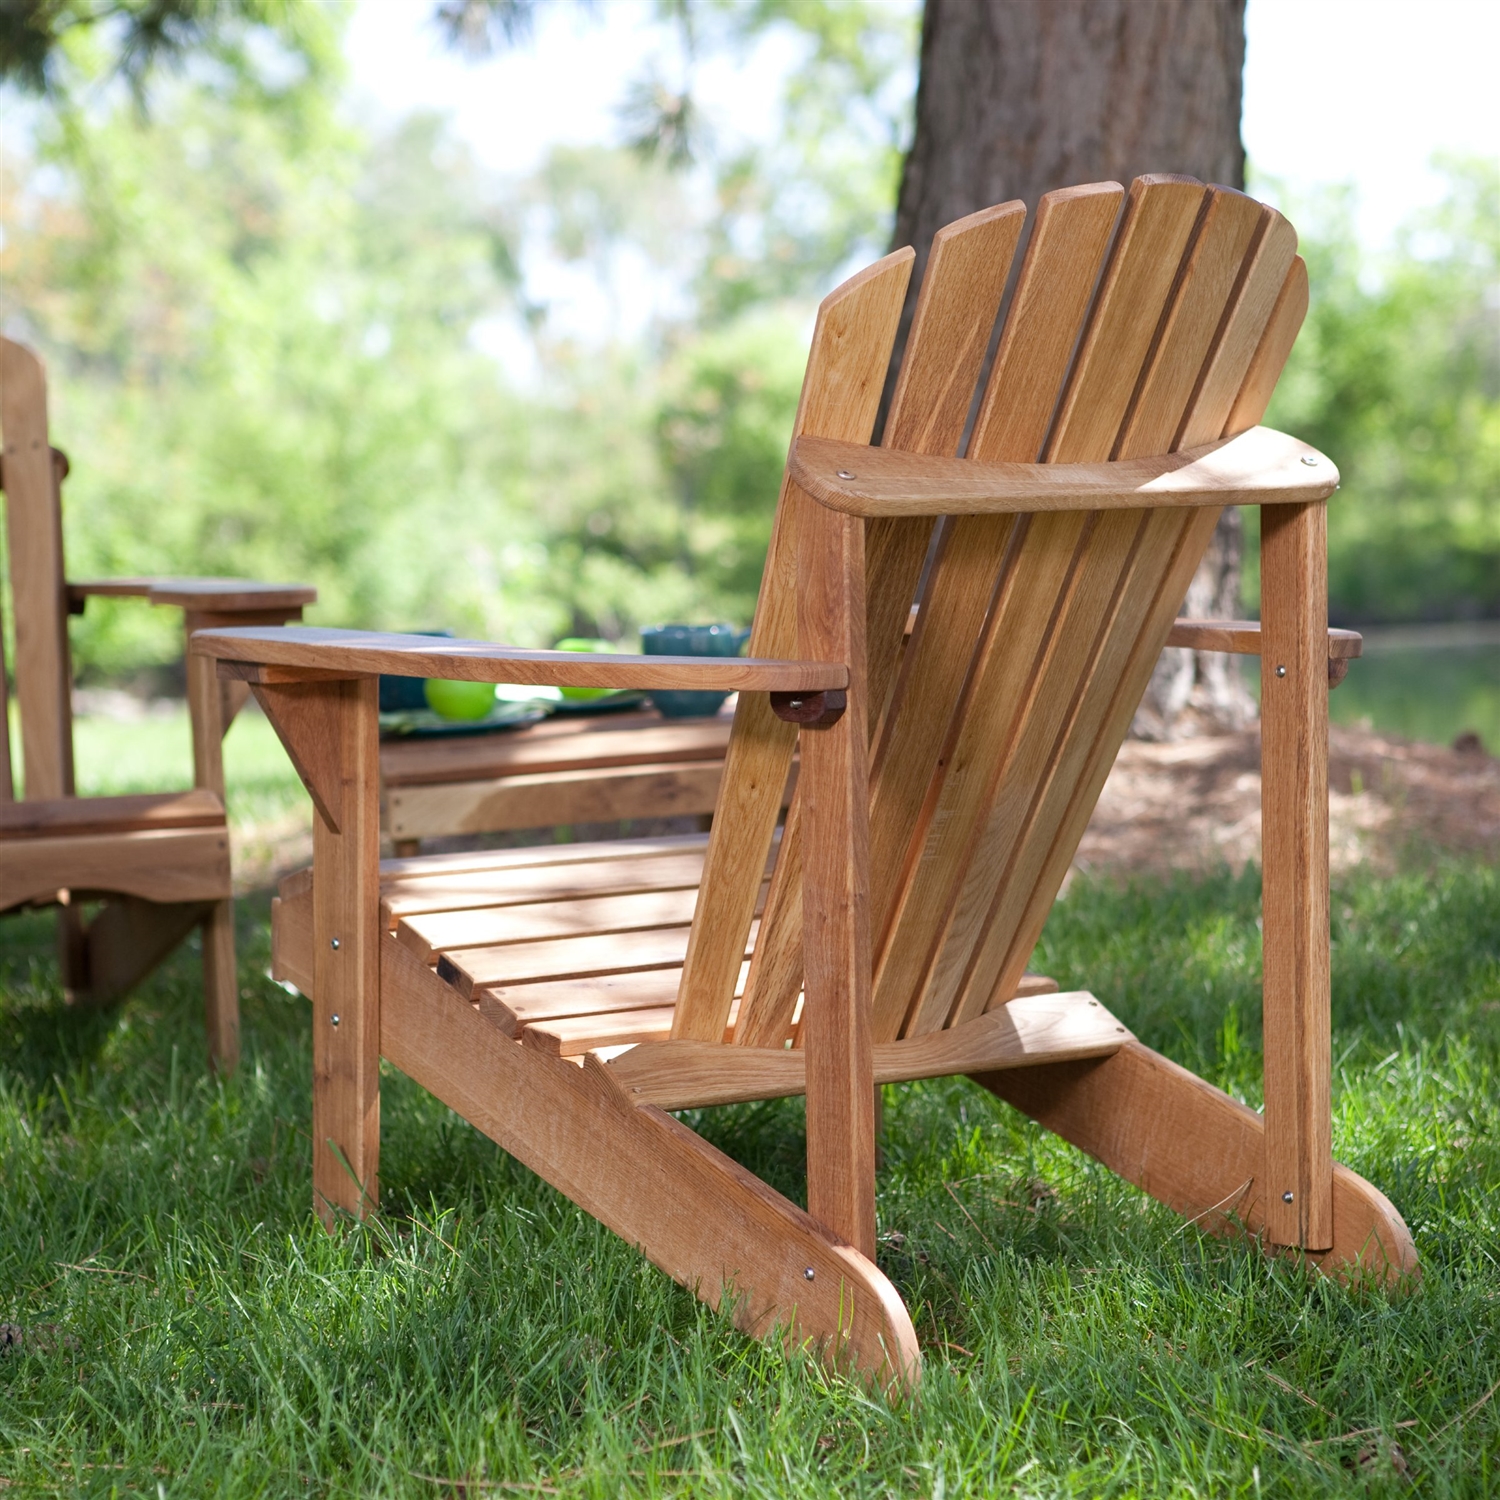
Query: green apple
459,700
581,643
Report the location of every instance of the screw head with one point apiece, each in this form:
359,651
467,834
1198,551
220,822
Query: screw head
1280,672
845,474
1309,460
1288,1196
794,703
334,943
809,1274
335,1018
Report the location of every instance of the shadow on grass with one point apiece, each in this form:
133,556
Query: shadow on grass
189,1326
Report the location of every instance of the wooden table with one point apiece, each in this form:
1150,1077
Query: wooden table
564,770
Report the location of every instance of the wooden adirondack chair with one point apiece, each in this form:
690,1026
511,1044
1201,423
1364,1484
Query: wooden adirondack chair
159,862
564,1000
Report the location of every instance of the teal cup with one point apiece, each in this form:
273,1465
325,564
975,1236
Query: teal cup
691,640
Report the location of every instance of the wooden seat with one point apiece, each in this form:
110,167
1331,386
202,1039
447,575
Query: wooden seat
882,931
158,863
583,951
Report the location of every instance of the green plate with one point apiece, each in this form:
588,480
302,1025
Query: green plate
422,723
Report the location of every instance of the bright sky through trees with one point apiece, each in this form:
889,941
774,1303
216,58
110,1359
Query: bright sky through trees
1361,91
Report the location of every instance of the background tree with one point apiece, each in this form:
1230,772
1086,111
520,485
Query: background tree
1015,97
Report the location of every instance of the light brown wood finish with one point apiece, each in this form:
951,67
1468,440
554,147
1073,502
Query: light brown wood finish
1259,467
129,938
1062,615
160,863
1198,1151
1203,327
210,711
1062,263
846,368
307,720
955,314
1228,224
668,789
700,1217
1025,1033
559,744
515,1007
472,969
1038,873
1043,627
340,718
361,652
226,596
446,932
678,864
1259,381
33,522
156,864
572,1036
1295,903
7,771
835,898
199,808
1242,638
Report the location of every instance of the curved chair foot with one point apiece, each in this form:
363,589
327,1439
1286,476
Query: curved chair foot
1198,1151
700,1216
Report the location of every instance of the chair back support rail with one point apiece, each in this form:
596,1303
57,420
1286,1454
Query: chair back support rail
946,775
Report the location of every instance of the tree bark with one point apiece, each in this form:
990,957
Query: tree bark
1016,97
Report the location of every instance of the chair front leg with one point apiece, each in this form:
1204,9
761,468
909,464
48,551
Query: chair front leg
834,788
1298,1179
330,731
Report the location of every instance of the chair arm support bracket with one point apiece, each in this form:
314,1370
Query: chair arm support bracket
810,710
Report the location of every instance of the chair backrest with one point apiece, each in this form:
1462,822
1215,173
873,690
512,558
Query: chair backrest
31,477
1139,323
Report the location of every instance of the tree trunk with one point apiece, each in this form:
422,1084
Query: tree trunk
1016,97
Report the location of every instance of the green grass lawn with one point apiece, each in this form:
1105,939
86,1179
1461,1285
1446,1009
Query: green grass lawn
187,1328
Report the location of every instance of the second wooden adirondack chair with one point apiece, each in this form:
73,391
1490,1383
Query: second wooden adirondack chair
158,863
564,1000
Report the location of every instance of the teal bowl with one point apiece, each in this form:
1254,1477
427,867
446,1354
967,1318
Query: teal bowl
691,640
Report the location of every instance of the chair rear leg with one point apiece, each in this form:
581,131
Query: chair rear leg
73,955
221,1004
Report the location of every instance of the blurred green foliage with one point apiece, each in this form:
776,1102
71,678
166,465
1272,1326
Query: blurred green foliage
289,343
284,343
1397,377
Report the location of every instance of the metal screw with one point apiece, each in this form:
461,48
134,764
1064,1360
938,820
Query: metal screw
845,474
1287,1196
1280,672
334,943
794,703
1309,460
809,1274
335,1018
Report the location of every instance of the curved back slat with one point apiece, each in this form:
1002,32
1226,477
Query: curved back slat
1139,323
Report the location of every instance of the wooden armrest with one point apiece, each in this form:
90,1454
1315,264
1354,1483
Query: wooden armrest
300,651
1259,467
1242,638
221,596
